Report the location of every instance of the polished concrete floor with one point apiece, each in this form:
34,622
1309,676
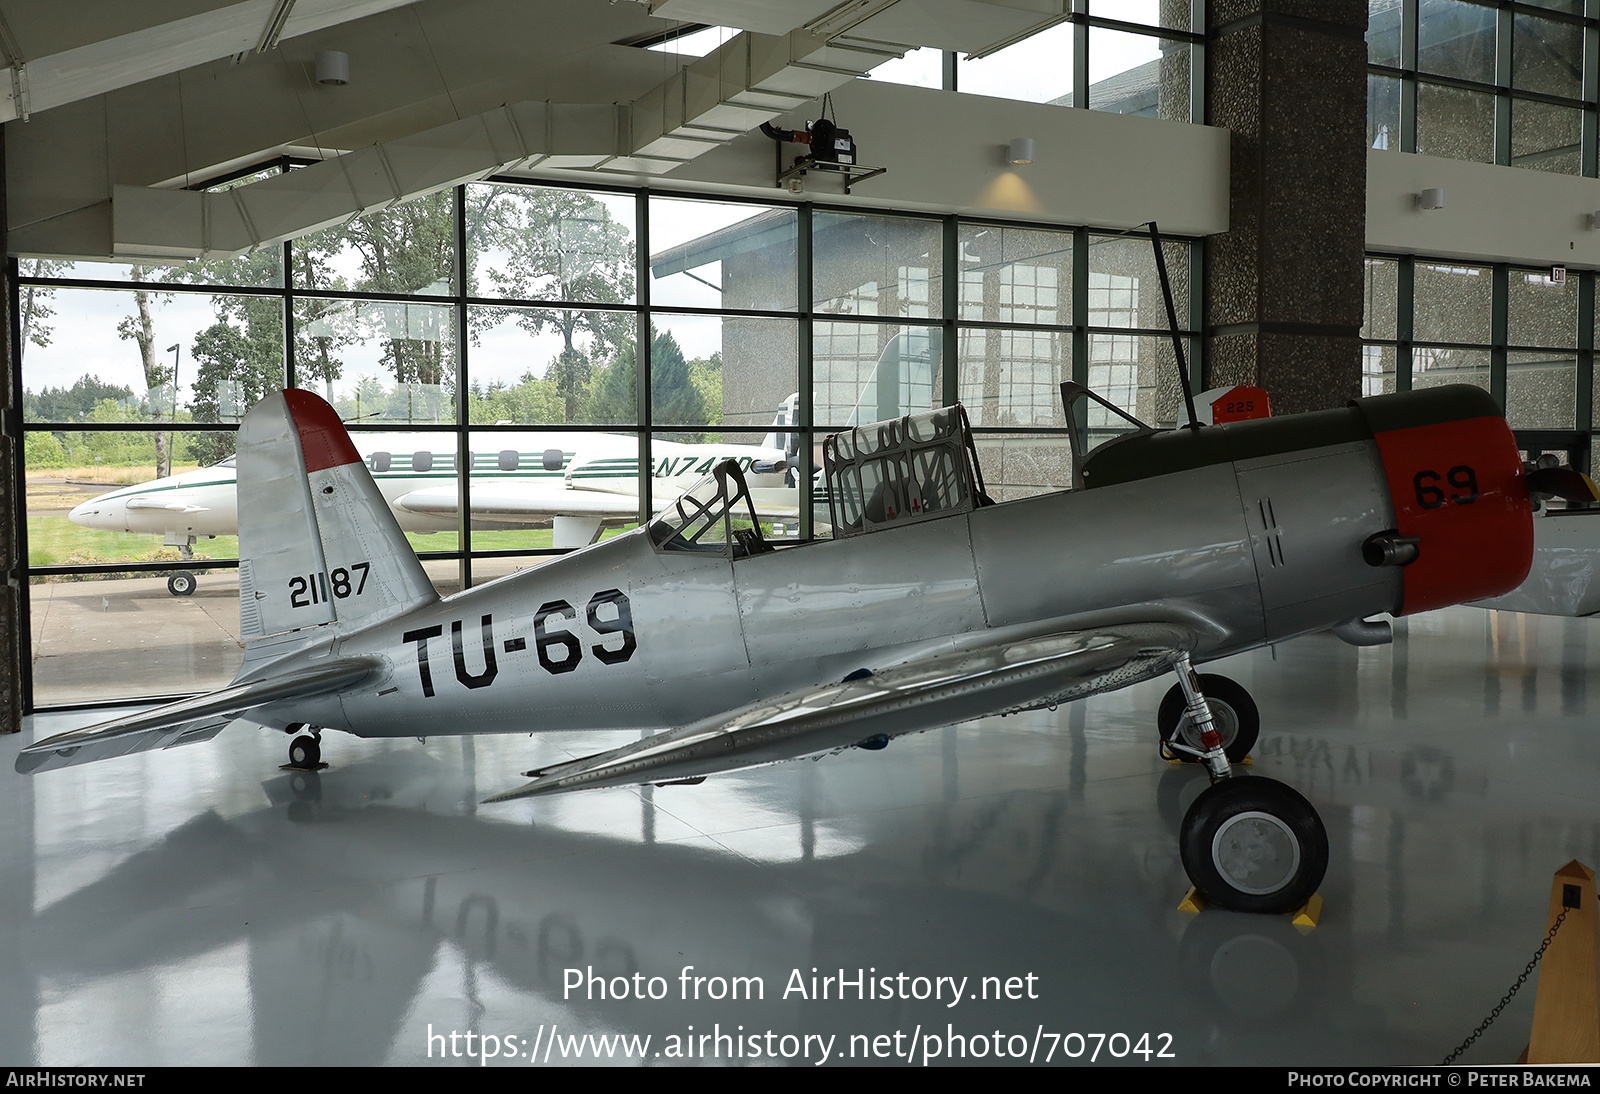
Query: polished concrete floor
203,906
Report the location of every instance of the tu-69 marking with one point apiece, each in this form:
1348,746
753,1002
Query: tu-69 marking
560,650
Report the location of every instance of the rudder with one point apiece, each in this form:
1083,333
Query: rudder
317,542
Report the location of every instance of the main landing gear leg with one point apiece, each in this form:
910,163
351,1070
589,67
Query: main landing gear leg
1249,844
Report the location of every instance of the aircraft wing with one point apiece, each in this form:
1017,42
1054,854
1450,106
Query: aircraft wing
997,677
515,502
522,501
177,503
189,720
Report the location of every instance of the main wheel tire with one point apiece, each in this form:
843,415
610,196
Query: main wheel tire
1232,710
1252,844
181,583
304,752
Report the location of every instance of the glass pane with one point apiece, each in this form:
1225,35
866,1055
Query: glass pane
1546,137
1020,465
869,265
867,372
378,359
1433,366
539,243
142,355
921,67
1015,275
731,372
1138,373
1541,312
1382,289
1124,287
416,473
1172,14
1541,390
710,254
1546,56
96,498
520,480
1383,112
406,248
1452,303
118,635
1454,123
1377,370
542,365
1383,32
1138,74
261,269
1013,377
1455,38
1035,70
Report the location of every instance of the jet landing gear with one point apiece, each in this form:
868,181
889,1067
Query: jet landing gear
181,582
1249,844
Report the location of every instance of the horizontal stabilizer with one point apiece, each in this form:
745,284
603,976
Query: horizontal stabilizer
189,720
924,694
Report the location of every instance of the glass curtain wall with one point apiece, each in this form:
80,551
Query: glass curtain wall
1492,81
1524,334
492,344
1139,57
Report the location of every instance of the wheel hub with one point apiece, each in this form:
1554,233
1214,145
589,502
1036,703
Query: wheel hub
1256,853
1223,717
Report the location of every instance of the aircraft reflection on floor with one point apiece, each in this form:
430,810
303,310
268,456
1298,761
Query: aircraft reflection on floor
184,910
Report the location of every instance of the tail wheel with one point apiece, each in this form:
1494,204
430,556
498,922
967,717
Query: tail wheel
1232,711
304,752
1252,844
181,583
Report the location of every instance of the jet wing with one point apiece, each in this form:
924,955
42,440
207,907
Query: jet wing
189,720
998,677
174,504
532,502
525,501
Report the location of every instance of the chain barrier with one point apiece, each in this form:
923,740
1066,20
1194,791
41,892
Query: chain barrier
1527,972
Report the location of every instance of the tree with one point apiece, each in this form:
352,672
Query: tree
406,248
140,329
33,301
234,370
72,404
563,245
674,397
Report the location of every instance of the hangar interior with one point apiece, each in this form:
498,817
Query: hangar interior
498,229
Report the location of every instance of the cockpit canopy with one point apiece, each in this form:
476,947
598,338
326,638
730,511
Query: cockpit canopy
714,516
902,471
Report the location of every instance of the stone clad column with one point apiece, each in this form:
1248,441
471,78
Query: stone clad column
1283,285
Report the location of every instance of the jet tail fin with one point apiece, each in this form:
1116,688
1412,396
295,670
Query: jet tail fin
317,542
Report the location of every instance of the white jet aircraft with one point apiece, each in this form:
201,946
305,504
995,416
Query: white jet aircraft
931,605
578,483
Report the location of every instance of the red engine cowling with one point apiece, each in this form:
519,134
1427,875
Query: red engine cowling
1457,483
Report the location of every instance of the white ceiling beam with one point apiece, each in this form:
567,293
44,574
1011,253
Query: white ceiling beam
99,67
750,79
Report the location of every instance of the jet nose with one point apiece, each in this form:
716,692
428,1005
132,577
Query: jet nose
98,512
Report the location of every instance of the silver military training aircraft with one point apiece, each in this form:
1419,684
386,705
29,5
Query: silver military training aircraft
931,605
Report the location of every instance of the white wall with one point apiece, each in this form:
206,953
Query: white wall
1491,214
945,153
